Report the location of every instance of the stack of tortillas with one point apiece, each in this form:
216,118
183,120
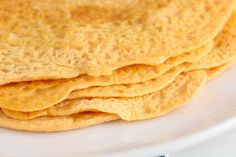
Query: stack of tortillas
67,64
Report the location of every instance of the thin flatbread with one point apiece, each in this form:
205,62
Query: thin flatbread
52,124
29,98
211,73
214,72
136,108
225,50
129,90
63,39
36,95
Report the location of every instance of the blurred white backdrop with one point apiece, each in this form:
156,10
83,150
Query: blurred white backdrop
223,145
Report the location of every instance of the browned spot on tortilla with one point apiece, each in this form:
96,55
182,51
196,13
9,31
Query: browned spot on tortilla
97,15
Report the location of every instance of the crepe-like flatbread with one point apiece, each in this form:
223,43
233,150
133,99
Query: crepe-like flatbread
63,39
40,95
225,49
137,108
36,95
129,90
214,72
49,124
223,52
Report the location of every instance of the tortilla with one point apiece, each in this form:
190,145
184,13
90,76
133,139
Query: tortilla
52,124
136,108
214,72
211,73
37,95
26,116
129,90
63,39
225,50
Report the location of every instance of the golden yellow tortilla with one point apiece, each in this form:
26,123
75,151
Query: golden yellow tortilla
225,50
214,72
129,90
63,39
39,95
36,95
52,124
211,73
61,119
136,108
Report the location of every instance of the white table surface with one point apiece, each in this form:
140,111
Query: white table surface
222,146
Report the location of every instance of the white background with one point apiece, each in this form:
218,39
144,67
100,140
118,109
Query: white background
222,146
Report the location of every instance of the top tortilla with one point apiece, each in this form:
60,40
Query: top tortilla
63,39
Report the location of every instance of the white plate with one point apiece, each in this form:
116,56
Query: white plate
210,113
